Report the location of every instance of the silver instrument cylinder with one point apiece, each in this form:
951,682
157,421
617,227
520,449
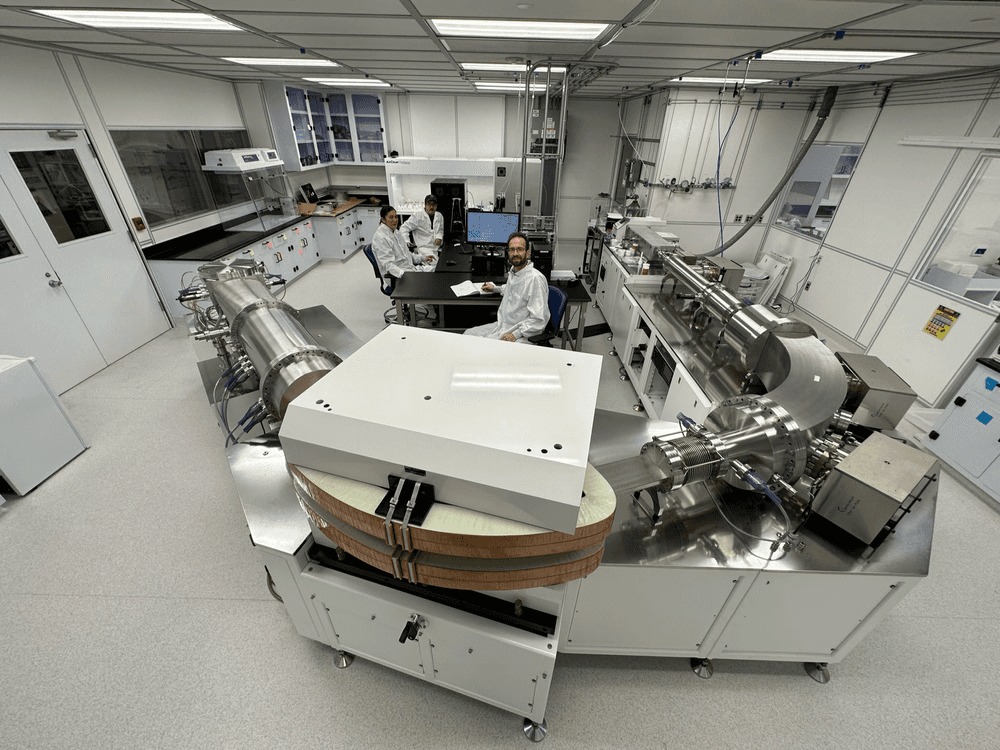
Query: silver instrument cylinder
285,355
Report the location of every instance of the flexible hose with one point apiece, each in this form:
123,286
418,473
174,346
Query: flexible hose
824,111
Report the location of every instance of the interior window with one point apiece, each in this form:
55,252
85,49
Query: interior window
8,248
816,189
62,193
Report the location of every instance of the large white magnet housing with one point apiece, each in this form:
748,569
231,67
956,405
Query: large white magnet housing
496,427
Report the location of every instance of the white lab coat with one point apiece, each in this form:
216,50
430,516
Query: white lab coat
419,227
392,254
524,310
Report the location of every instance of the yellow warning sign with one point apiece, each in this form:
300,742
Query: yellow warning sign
941,322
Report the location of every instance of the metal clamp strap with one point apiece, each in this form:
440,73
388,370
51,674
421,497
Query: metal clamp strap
411,565
397,569
390,535
405,527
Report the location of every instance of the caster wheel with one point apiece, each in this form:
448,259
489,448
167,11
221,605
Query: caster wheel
623,377
703,668
534,732
818,671
343,660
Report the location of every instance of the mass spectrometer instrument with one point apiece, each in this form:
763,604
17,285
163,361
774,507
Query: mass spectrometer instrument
783,526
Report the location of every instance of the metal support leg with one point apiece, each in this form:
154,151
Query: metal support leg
343,660
399,313
534,731
580,327
703,668
818,671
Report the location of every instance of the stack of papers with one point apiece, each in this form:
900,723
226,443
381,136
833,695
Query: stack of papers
562,276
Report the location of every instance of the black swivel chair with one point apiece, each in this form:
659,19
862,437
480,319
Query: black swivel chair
557,306
384,285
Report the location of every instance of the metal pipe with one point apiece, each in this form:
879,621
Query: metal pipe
285,355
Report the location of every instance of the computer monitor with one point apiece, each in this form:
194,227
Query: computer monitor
490,227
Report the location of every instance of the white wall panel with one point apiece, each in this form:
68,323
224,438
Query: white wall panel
846,125
590,152
432,123
251,101
134,96
841,290
33,90
925,362
988,124
480,126
892,184
881,308
773,140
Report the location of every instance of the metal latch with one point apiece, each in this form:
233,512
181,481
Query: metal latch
414,625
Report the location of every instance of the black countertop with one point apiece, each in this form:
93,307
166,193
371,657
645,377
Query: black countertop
214,242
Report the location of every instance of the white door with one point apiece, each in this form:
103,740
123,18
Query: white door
39,320
61,191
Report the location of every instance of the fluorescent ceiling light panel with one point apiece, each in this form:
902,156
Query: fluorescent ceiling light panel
348,82
508,67
497,86
292,62
735,79
519,29
121,19
833,55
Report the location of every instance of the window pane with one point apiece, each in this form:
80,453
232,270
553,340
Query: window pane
8,247
164,167
967,258
60,188
816,189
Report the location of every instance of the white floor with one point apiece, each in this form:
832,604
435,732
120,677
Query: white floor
133,613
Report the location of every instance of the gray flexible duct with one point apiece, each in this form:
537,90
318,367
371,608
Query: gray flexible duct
824,111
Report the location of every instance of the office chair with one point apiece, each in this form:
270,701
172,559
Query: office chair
389,316
557,305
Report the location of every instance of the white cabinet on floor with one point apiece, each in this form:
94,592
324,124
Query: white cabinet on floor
37,437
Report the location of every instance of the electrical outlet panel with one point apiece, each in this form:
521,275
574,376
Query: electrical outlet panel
739,218
978,252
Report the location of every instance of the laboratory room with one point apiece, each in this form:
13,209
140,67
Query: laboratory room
602,374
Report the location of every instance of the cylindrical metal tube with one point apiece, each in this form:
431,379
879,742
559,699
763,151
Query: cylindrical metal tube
285,355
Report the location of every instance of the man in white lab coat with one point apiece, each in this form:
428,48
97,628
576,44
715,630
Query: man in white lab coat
393,256
426,228
524,310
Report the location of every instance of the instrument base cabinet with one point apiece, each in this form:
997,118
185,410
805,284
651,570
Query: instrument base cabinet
489,661
726,613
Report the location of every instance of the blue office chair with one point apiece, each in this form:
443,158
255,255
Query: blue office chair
557,306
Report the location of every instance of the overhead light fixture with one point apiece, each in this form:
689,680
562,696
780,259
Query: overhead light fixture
123,19
748,81
292,62
510,67
500,86
833,55
560,30
349,82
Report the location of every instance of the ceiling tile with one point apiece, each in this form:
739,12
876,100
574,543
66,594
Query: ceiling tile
360,56
975,18
193,38
749,39
765,13
298,23
127,48
69,34
334,42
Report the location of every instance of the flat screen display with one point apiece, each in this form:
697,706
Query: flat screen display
491,228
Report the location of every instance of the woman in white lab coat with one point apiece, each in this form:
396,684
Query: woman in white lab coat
393,256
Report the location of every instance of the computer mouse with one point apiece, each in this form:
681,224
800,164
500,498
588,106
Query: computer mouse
449,263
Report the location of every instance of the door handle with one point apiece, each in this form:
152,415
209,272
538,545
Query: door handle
55,282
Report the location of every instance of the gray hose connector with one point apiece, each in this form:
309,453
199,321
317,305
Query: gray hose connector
824,111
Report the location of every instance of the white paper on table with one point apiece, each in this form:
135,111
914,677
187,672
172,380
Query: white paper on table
467,289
